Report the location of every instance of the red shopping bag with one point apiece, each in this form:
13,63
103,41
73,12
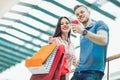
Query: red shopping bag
55,71
64,66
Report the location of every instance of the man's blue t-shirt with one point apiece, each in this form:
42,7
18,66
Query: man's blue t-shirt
92,55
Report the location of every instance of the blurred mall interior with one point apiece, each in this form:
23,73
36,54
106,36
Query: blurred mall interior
25,26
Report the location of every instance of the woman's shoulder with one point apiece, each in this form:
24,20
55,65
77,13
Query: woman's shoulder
53,39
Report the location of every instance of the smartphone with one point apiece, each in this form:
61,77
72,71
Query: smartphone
75,22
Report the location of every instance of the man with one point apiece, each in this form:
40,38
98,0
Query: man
93,45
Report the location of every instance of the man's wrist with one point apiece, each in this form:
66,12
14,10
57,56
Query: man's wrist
84,32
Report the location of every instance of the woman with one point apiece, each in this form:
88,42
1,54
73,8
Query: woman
62,36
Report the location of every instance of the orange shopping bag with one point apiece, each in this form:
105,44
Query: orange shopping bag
41,61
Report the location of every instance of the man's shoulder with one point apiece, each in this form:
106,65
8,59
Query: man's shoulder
102,25
100,22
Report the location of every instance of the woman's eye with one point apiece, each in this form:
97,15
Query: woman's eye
67,23
61,23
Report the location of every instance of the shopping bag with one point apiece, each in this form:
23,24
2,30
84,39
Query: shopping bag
55,71
41,61
65,68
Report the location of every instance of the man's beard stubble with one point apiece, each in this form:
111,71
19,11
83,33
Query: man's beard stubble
85,22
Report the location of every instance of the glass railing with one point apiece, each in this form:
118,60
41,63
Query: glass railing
109,67
110,60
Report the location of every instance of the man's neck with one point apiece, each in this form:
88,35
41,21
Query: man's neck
87,23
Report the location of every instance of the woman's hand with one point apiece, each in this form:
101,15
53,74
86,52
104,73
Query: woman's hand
75,62
50,40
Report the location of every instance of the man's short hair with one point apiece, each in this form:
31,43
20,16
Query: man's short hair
77,6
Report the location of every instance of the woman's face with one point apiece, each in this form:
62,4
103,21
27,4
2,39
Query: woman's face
65,26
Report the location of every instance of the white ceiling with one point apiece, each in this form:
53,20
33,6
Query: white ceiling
5,5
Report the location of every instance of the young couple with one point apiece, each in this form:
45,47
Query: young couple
94,38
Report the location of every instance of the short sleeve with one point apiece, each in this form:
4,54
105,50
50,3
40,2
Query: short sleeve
102,26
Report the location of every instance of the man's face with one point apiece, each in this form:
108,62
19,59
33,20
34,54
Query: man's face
82,14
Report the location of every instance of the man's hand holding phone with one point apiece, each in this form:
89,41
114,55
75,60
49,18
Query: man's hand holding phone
77,27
